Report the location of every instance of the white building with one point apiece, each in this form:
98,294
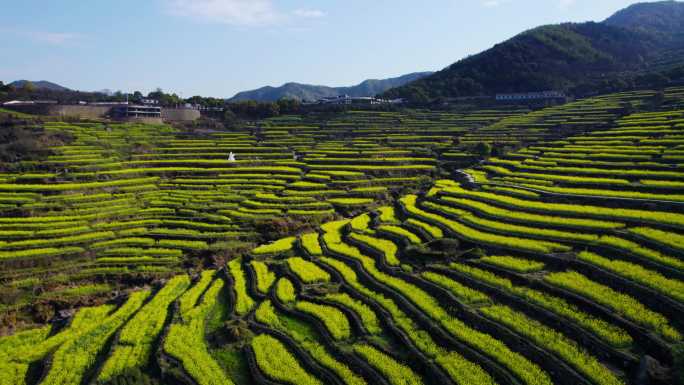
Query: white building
346,99
28,102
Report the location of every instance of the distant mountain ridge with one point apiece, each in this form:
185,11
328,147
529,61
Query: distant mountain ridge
639,46
40,85
665,18
300,91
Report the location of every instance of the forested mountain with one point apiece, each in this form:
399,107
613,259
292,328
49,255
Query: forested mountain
664,17
39,85
299,91
628,49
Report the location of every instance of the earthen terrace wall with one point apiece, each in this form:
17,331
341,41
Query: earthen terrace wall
97,112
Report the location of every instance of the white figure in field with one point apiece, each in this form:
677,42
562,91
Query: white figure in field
231,157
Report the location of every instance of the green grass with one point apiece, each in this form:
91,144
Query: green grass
244,302
305,336
520,265
401,232
384,246
621,303
554,342
185,341
264,277
310,244
136,338
395,372
610,333
669,287
334,320
285,291
277,247
75,357
277,363
307,271
18,115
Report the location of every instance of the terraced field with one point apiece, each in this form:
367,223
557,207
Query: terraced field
560,262
132,202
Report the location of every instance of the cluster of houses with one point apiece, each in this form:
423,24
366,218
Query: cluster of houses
544,96
149,109
353,100
531,96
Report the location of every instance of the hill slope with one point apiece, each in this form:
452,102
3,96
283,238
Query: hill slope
575,57
300,91
40,85
663,17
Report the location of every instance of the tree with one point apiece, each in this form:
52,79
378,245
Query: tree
654,79
419,96
289,106
268,110
678,368
29,87
164,98
196,100
627,108
137,96
676,73
483,149
229,118
658,99
156,94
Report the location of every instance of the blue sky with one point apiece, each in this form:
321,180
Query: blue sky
220,47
